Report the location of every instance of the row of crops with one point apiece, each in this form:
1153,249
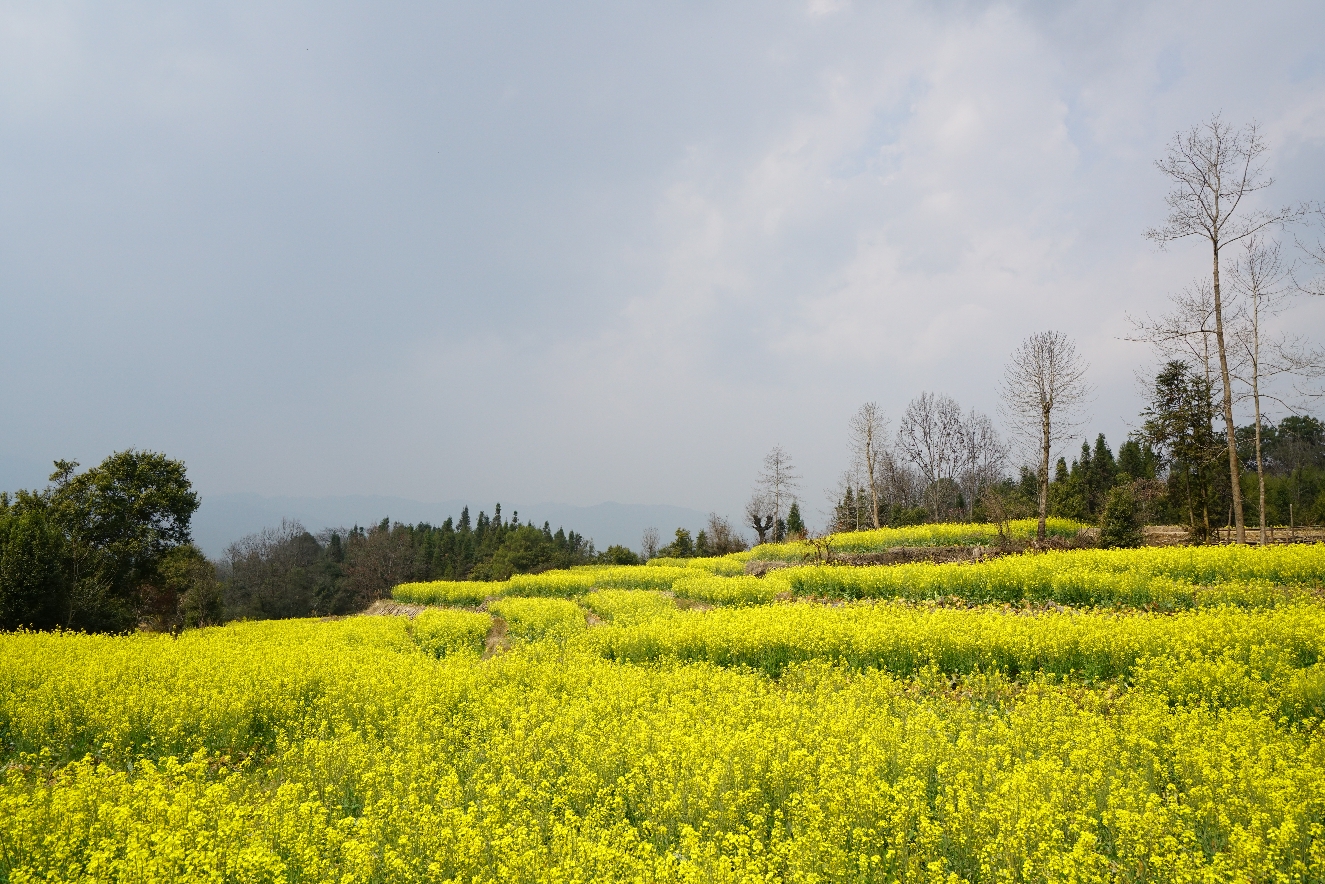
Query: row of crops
1145,715
1165,578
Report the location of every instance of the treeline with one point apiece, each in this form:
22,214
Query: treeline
288,572
108,549
1171,471
716,538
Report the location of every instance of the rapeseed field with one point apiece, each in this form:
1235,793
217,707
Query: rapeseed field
1082,716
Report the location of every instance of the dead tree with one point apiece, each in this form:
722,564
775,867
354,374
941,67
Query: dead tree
930,436
1213,168
778,482
982,458
1188,330
868,427
1262,280
1315,254
1044,388
649,544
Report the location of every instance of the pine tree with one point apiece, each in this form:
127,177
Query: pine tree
795,525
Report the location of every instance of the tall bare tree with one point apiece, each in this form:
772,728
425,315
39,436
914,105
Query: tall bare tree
1186,331
868,427
779,482
1044,389
930,436
1213,168
1315,254
1262,279
982,457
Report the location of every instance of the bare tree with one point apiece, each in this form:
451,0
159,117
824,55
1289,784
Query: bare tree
868,427
1188,330
899,483
930,436
846,502
648,546
1044,388
1315,253
759,515
1261,278
982,457
779,482
1213,168
722,537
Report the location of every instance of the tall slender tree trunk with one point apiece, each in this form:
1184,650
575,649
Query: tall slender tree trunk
1256,403
1040,531
1234,478
870,458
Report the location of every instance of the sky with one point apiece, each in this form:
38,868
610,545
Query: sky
588,252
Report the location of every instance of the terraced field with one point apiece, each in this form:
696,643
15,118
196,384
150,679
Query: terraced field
1079,715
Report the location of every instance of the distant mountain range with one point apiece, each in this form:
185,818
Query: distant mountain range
224,518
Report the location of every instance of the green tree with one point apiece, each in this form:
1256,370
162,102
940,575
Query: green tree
1179,427
683,547
32,558
188,594
1103,474
1137,460
1120,524
795,524
618,555
118,520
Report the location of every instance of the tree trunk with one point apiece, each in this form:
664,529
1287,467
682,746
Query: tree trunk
1040,532
870,458
1256,401
1233,476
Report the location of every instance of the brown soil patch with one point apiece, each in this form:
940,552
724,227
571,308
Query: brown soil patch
498,640
392,608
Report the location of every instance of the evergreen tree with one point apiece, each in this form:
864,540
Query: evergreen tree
1137,460
1105,467
1180,427
1120,525
683,547
795,525
32,568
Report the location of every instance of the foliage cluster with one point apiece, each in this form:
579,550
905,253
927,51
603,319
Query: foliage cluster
290,573
104,549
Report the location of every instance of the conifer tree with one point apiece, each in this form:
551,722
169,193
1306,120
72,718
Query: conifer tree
795,525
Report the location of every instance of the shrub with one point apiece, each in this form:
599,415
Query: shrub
1120,526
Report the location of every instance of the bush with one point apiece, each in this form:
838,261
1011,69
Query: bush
1120,526
618,555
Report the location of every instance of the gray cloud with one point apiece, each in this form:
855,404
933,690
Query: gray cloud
588,252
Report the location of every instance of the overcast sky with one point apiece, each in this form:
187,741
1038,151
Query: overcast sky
588,252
